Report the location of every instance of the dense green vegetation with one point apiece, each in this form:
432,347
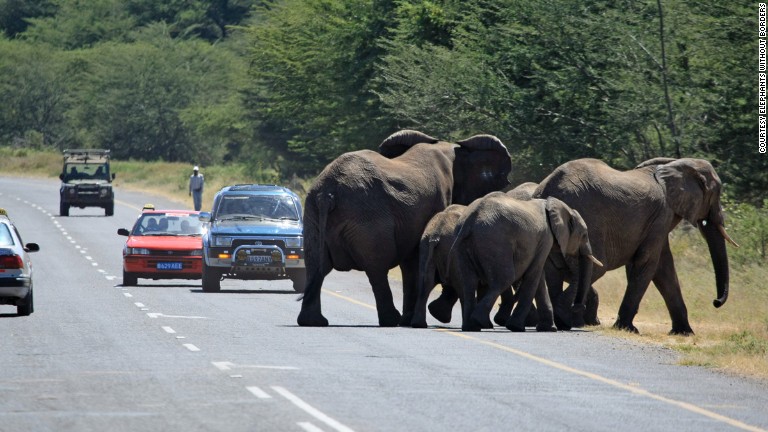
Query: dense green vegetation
290,84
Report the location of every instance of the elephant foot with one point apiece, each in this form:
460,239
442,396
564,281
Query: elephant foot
686,331
391,319
470,327
626,327
577,316
500,318
311,319
532,320
406,320
515,327
546,328
591,322
441,310
561,324
419,321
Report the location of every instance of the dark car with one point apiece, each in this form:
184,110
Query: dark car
15,268
254,232
86,181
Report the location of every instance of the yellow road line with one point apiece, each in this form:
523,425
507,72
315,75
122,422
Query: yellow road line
553,364
349,299
614,383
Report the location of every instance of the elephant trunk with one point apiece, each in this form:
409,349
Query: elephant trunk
717,251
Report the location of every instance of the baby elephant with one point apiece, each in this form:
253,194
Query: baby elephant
503,241
434,249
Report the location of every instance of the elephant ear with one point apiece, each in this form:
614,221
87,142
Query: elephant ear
560,222
399,142
483,142
688,191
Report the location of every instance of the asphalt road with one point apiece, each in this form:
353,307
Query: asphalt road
164,356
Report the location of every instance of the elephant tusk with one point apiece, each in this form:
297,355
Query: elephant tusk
726,236
595,260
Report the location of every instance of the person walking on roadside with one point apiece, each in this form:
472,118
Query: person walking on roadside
196,182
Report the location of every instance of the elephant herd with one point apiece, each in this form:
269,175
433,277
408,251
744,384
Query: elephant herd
445,213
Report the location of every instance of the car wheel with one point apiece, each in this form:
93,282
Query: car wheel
109,210
129,279
211,279
299,279
63,209
26,306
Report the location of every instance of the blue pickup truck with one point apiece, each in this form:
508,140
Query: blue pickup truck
254,232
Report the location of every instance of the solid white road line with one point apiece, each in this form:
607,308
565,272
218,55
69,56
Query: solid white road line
259,393
309,427
309,409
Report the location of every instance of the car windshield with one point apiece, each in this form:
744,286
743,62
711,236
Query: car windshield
168,224
82,171
279,207
6,239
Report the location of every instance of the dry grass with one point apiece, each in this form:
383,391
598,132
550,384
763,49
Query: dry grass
733,338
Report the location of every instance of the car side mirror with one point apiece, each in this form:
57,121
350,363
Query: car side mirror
123,232
113,176
61,177
204,217
31,247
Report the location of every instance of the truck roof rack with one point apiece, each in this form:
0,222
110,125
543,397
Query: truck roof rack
86,155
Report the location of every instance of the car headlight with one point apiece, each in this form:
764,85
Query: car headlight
222,241
196,252
293,242
103,192
137,251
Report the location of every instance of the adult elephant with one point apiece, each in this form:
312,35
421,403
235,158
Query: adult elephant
503,241
629,215
434,249
366,211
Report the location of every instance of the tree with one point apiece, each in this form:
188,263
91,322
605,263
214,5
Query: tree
311,67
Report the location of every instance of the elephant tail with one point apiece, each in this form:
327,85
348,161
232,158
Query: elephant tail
427,265
317,258
326,202
463,230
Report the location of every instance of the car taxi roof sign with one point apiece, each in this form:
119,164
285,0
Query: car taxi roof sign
148,207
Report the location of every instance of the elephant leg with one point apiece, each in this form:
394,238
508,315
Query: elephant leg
590,313
545,314
529,284
385,306
442,307
311,314
409,268
639,274
554,281
668,285
481,315
505,307
470,282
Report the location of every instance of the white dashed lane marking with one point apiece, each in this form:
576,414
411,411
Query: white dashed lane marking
259,393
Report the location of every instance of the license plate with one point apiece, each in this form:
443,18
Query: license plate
169,266
259,259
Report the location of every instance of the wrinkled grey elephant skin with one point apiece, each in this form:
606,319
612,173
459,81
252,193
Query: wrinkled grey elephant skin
503,241
366,211
434,248
629,215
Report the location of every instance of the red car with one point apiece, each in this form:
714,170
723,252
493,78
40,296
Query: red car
163,244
